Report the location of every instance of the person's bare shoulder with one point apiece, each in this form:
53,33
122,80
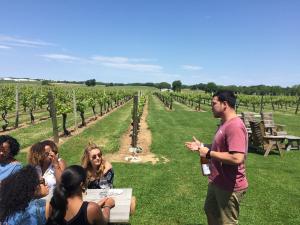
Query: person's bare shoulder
94,213
108,165
93,207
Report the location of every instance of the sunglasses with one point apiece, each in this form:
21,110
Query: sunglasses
95,156
42,181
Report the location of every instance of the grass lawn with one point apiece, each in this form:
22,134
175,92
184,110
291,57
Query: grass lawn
174,192
43,130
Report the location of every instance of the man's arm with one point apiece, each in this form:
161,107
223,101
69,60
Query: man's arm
232,158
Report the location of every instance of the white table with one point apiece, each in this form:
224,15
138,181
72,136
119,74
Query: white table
120,213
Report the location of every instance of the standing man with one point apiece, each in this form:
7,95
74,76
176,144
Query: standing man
227,181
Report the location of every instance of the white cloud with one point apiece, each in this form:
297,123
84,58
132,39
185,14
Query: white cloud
4,47
123,63
127,63
141,60
110,59
135,67
61,57
13,41
190,67
119,59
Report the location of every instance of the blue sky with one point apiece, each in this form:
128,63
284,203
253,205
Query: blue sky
241,42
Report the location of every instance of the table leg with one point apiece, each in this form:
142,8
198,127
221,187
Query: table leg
279,149
288,145
269,147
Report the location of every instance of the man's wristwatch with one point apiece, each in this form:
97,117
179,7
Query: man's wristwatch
208,154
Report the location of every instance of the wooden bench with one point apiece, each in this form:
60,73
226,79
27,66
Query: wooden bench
270,126
266,142
293,142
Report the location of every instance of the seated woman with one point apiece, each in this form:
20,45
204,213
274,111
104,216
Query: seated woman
50,146
97,168
9,148
46,161
67,205
19,203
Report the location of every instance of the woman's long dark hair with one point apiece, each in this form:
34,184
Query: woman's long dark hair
17,190
70,184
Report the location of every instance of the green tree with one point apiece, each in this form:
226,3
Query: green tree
211,87
45,82
164,85
177,85
91,82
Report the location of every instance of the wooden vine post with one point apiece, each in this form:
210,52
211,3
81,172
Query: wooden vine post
297,107
135,121
53,116
17,108
261,103
199,103
75,110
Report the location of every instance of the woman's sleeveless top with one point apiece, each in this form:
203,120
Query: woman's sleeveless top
81,216
109,176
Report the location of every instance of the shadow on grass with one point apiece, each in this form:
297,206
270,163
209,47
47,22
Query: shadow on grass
194,224
260,151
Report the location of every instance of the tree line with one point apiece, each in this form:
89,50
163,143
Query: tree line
206,87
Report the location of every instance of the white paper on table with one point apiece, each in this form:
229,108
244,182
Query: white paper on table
112,192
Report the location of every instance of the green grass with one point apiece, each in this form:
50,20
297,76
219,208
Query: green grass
105,133
174,192
43,130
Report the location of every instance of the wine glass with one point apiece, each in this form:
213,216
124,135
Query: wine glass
104,186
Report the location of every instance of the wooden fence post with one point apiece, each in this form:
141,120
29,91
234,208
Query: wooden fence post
53,116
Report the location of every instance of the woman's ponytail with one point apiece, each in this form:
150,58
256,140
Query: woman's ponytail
59,205
71,180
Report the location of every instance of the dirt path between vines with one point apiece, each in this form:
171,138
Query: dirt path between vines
144,141
89,122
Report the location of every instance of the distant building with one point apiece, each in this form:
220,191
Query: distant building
166,89
18,79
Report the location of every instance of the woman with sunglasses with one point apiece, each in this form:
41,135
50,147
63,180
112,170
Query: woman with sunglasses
46,162
19,198
97,168
67,205
9,148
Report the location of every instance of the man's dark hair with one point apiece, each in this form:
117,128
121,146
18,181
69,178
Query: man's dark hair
227,96
14,146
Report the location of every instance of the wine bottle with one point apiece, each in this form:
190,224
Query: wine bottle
204,166
204,162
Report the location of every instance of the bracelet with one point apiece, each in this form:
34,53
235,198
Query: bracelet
208,154
106,206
